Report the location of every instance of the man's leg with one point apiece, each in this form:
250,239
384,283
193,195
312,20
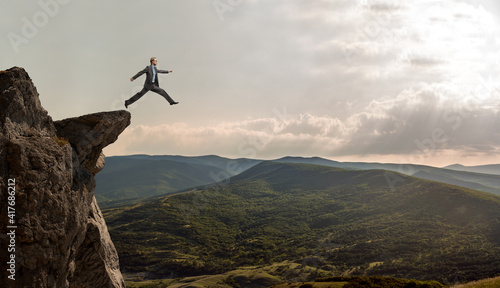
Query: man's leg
136,97
164,94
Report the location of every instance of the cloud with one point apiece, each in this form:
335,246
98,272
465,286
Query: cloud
264,137
425,122
376,77
428,122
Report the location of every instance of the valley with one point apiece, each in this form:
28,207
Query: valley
337,221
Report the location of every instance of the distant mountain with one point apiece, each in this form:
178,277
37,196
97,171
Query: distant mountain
407,169
135,177
348,222
232,166
474,183
486,169
468,179
126,178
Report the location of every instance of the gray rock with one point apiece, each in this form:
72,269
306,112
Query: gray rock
61,239
98,254
89,134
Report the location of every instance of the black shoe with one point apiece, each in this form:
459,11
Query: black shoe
126,104
173,103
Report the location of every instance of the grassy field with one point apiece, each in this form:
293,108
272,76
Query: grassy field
254,276
279,275
311,285
271,276
487,283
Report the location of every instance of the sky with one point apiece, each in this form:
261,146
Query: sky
349,80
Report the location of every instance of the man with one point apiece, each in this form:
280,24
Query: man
151,83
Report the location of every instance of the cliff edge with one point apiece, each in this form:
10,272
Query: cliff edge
52,230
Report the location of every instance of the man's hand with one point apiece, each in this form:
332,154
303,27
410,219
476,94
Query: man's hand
170,71
131,79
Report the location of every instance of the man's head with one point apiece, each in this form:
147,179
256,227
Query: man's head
153,60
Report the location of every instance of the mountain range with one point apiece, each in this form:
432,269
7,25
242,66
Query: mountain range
338,221
486,169
128,178
131,178
459,175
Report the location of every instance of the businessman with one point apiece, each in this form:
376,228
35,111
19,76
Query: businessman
151,83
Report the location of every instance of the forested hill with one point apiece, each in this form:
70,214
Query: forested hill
127,179
343,221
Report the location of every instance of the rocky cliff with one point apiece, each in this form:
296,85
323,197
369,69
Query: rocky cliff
52,230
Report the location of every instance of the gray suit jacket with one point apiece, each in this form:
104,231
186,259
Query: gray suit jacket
149,76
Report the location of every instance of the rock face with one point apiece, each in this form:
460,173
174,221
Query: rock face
52,231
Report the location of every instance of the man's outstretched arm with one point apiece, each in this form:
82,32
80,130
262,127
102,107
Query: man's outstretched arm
164,71
139,74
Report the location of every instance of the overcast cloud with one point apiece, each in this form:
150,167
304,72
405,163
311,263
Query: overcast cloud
388,81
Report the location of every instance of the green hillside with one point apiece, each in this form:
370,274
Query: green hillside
485,283
347,222
476,177
125,178
142,176
232,166
137,177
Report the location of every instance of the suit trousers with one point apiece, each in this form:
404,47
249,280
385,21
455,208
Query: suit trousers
153,88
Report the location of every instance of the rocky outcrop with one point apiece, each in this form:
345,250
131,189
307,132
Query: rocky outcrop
89,134
52,231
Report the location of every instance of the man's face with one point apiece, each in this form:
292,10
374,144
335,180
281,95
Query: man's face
154,62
